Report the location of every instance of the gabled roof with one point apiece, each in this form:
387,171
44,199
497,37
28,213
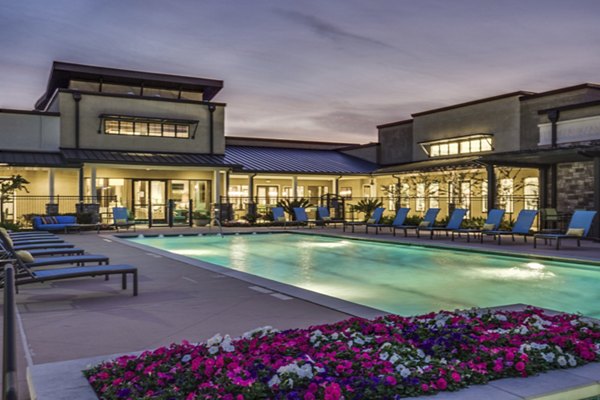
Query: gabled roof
282,160
63,72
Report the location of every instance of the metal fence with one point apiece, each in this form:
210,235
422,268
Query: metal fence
350,208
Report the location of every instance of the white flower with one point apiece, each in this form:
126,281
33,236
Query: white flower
274,381
335,336
264,330
384,356
539,346
226,344
548,357
404,372
213,350
421,353
572,361
359,341
500,317
394,358
214,340
427,359
304,371
186,358
562,361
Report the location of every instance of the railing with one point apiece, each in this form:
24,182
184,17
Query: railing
20,206
9,347
347,207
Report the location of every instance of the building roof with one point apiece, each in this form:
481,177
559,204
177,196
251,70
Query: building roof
62,73
144,158
32,159
281,160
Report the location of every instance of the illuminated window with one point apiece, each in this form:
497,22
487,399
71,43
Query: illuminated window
134,126
420,201
531,190
346,192
463,145
505,194
434,193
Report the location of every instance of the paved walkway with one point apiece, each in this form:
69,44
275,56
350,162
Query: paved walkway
88,317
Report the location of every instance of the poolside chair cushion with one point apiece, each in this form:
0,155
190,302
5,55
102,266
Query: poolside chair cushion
575,232
488,227
121,221
371,221
424,224
49,220
6,237
24,256
326,218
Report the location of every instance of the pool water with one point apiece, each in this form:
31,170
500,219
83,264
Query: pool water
401,279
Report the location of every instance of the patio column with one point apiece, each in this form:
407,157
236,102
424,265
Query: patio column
336,186
93,184
543,186
81,183
554,186
251,205
51,185
596,227
491,192
295,187
217,178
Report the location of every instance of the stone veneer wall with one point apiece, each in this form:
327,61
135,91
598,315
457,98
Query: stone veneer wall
575,186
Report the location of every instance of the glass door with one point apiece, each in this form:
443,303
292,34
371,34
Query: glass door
149,196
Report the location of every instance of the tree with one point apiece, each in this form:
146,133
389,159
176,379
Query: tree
8,187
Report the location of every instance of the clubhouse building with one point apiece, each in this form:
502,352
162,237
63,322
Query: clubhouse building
154,143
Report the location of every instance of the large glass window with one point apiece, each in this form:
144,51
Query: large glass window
464,145
145,128
505,194
434,195
420,201
531,190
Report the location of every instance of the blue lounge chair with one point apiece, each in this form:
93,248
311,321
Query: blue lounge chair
579,228
302,217
374,219
43,246
492,223
456,219
522,227
121,219
429,218
401,215
324,218
279,216
36,241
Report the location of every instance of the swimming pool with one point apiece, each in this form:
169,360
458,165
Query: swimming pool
401,279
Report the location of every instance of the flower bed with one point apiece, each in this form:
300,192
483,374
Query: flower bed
385,358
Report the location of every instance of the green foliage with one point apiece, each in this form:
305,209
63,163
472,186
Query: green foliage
7,187
507,224
386,220
200,215
473,223
289,205
413,220
366,206
10,226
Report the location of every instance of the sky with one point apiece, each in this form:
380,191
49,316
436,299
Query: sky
326,70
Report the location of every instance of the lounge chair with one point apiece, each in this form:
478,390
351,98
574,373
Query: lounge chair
401,215
579,228
121,219
57,223
279,216
456,219
492,223
27,259
36,246
36,240
324,218
374,219
428,220
522,227
302,217
27,275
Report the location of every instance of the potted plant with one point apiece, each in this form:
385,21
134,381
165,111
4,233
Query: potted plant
200,218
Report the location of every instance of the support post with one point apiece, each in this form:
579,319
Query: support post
491,192
543,171
554,186
93,185
295,187
217,202
51,185
81,184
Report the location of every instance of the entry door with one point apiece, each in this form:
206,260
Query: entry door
149,196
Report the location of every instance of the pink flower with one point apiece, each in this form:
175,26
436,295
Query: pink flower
309,396
390,380
424,387
455,376
441,384
520,366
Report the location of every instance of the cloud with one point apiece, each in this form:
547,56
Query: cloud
327,29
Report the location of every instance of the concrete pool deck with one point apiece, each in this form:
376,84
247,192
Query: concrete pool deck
82,318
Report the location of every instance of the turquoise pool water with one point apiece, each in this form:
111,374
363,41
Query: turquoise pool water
401,279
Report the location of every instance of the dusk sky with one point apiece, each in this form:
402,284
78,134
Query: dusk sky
311,70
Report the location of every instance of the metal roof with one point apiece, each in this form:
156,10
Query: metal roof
32,158
145,158
287,160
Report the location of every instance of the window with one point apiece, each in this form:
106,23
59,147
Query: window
531,189
420,201
484,195
463,145
505,194
346,192
392,189
465,195
131,126
434,193
405,195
